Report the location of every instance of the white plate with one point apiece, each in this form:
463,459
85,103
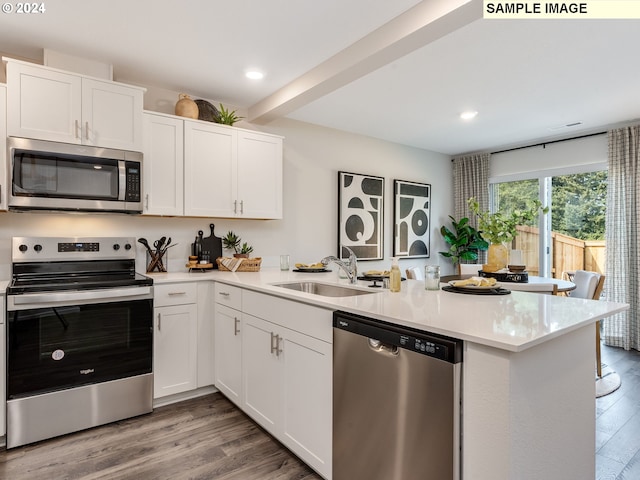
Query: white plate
475,287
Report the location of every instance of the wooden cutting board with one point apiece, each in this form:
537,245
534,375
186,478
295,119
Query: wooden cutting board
212,246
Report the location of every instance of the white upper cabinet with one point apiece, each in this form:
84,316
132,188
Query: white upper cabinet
3,147
112,115
259,175
210,153
231,172
163,165
50,104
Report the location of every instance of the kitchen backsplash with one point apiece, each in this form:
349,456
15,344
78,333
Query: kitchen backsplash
181,230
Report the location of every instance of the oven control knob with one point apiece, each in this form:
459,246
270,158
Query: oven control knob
23,248
37,247
116,246
127,246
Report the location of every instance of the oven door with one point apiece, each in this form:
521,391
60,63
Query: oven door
56,341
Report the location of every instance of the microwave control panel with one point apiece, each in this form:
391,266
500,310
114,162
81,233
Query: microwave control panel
133,182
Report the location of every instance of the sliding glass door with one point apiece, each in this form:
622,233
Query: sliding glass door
509,196
571,235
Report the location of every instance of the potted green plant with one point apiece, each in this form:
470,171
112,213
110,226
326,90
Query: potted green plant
245,250
501,228
464,242
231,241
227,117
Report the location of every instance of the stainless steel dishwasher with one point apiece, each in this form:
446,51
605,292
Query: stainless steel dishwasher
396,402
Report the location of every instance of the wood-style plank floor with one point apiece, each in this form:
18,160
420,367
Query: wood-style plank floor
618,420
203,438
209,438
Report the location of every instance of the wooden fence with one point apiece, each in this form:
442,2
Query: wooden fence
569,253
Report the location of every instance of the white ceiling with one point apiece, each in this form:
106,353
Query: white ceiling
402,71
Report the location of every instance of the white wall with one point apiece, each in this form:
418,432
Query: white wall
312,157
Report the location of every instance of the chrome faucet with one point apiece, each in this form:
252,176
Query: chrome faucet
350,267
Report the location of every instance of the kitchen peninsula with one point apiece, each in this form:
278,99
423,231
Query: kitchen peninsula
528,390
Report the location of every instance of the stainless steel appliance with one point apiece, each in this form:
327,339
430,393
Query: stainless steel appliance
396,402
59,176
79,336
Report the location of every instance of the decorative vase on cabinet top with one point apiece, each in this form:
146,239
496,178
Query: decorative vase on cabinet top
186,107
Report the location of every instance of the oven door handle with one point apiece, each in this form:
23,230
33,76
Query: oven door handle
87,296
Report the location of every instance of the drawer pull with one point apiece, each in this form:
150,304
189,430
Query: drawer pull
224,294
171,294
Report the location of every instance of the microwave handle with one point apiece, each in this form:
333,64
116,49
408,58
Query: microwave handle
122,180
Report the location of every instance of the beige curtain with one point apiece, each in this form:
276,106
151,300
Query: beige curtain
622,236
470,179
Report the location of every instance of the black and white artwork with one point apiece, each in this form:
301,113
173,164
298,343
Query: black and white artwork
412,217
360,214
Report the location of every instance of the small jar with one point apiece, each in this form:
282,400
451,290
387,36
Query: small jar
432,277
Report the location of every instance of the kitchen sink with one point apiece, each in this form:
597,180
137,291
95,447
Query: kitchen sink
323,289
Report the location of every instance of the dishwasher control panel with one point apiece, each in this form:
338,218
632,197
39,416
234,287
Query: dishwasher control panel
425,343
425,346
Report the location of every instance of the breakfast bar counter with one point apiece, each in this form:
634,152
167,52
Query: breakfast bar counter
513,322
528,374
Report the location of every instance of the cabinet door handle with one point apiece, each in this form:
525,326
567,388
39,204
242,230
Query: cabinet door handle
236,322
275,344
87,129
77,128
241,207
159,321
235,206
146,207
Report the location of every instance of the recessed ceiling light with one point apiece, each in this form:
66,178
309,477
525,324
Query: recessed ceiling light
468,115
254,75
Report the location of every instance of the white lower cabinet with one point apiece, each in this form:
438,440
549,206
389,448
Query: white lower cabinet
287,374
228,341
3,147
287,388
3,369
175,339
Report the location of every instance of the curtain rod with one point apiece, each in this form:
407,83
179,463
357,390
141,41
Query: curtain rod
544,144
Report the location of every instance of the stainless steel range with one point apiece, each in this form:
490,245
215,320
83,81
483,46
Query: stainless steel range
79,336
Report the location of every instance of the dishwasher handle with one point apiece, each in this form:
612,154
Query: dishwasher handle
383,348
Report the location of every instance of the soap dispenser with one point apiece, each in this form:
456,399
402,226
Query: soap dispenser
395,278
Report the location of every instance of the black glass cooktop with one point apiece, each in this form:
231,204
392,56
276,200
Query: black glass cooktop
56,276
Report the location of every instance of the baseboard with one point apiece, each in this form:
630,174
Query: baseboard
179,397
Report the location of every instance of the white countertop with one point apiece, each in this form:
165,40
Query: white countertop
512,322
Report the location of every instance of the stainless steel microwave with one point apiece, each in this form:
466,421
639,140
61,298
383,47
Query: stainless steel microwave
59,176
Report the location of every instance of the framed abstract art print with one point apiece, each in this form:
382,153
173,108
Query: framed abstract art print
360,215
412,219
